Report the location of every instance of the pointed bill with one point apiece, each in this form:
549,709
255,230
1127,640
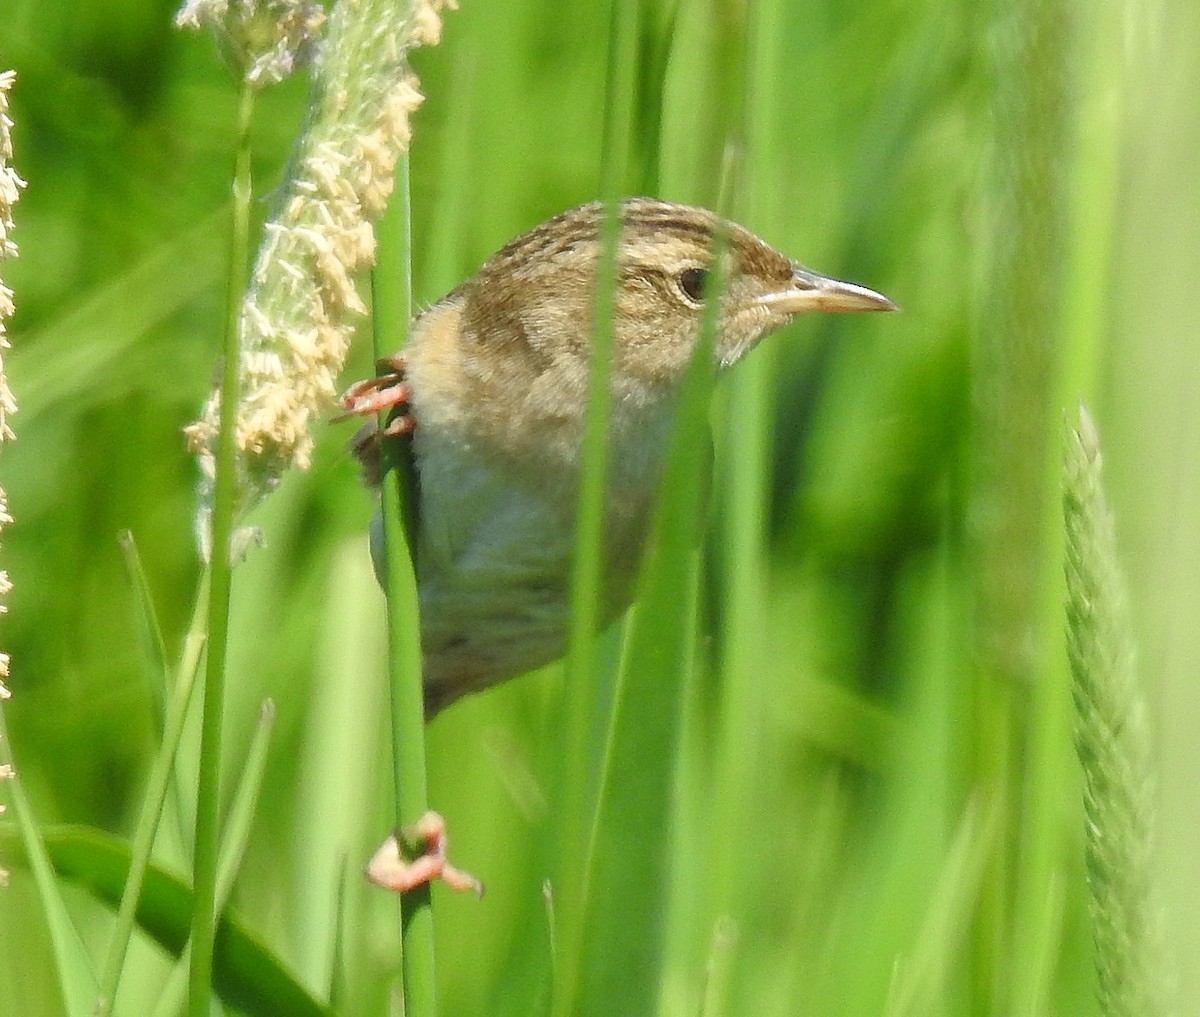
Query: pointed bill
811,292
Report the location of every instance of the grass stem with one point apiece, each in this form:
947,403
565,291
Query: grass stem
575,811
392,308
208,795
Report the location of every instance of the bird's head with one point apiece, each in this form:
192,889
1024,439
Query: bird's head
540,290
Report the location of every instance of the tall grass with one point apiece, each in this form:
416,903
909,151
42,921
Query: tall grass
804,782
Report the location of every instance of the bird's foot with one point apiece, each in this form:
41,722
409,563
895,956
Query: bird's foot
369,397
416,854
372,395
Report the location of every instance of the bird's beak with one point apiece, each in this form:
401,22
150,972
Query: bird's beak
808,291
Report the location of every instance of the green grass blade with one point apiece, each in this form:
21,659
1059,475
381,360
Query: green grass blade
153,803
1018,353
575,779
234,840
340,990
76,978
921,975
246,974
150,636
626,866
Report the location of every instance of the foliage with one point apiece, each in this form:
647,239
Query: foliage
865,812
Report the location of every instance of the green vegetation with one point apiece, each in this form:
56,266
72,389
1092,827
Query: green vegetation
827,766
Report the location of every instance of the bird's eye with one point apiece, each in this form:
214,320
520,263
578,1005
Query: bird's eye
693,282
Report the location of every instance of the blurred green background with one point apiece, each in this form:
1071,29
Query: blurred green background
843,735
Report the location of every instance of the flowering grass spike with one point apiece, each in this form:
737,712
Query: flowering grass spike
298,314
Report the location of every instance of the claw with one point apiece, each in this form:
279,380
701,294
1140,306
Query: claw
401,423
415,855
368,397
372,395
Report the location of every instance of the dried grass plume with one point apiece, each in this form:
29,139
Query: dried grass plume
265,40
299,311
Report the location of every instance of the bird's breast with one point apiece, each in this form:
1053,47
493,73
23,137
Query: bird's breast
497,517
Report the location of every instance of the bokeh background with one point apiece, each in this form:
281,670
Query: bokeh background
902,657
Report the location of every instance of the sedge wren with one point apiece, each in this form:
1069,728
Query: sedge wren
492,385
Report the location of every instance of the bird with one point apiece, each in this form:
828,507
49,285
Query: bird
492,388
